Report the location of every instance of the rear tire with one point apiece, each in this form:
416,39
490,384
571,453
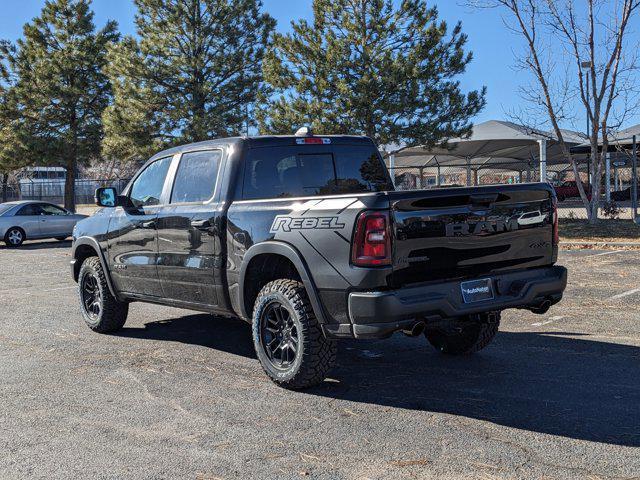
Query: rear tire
102,312
14,237
466,335
287,337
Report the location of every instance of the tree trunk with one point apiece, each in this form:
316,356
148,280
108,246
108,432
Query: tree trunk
70,186
5,187
72,164
595,180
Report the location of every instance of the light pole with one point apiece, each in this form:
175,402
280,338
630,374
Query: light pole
634,180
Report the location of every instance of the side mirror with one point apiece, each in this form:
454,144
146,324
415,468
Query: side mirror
106,197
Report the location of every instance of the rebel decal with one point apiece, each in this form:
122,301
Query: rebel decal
285,223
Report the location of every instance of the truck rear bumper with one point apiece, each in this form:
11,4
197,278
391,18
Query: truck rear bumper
379,314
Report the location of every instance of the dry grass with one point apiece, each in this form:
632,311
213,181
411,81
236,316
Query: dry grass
606,230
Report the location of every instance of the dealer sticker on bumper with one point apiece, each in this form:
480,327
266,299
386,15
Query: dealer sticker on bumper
477,290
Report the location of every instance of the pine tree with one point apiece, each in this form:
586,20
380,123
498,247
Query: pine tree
367,67
61,90
6,157
13,155
191,75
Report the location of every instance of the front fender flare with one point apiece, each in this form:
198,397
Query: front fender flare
93,243
290,252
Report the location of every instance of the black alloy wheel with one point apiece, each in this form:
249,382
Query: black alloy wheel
279,335
101,311
91,296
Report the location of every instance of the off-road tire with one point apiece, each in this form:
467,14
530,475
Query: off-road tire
465,336
113,313
9,234
316,353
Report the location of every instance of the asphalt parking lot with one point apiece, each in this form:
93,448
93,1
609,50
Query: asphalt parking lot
180,395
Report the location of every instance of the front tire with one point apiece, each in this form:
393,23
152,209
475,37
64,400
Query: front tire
466,335
287,336
102,312
14,237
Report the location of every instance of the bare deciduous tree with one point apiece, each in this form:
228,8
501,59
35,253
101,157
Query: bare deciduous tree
592,36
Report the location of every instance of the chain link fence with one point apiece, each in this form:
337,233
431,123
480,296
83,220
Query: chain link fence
562,178
53,190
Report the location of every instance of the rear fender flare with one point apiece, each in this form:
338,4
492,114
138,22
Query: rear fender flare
291,253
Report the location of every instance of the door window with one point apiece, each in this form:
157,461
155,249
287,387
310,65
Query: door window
30,209
49,209
147,187
196,176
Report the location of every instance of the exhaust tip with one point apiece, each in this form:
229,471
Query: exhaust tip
542,308
416,329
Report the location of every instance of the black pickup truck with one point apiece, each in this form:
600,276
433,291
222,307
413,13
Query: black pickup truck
305,238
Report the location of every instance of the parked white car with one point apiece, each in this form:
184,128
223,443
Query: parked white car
33,219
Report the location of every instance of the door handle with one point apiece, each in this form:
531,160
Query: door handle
148,224
201,224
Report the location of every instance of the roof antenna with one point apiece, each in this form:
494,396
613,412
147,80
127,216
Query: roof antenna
304,132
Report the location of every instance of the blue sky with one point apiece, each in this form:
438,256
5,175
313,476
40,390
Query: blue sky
492,45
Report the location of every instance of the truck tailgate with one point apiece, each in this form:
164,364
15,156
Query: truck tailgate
469,232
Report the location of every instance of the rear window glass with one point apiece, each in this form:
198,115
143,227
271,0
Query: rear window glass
5,207
277,172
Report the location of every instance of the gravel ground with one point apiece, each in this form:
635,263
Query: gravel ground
180,395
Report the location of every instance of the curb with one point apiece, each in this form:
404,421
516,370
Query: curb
600,244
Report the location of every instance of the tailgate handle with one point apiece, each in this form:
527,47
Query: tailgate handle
486,199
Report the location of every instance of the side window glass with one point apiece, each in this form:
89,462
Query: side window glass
196,176
147,188
51,209
29,209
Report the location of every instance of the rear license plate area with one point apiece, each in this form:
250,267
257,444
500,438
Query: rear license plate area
477,290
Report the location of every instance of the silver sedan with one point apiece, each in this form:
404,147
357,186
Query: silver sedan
32,219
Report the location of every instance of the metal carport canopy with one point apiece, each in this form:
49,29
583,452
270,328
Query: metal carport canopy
493,144
618,142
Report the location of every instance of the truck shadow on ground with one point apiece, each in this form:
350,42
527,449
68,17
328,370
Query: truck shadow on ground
224,334
537,381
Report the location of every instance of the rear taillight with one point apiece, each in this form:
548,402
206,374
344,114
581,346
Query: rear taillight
372,240
556,235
